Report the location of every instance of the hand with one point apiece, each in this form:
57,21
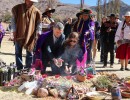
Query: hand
55,61
119,42
14,36
86,33
109,29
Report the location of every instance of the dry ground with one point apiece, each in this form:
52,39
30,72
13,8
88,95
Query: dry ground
7,55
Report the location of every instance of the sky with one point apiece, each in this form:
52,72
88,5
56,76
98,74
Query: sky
88,2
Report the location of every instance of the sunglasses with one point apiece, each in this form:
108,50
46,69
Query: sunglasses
73,41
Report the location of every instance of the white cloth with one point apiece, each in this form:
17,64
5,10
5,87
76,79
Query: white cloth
126,32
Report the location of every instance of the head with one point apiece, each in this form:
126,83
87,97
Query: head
127,16
73,39
69,20
93,17
86,14
112,17
104,19
58,29
49,12
29,3
79,15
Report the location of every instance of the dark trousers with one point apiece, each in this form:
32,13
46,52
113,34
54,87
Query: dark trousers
55,70
89,52
102,48
108,47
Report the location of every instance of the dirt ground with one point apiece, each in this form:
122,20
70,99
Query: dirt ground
7,55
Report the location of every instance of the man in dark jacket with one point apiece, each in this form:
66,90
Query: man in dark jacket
109,29
51,48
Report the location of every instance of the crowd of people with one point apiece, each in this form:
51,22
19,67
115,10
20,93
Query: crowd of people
59,45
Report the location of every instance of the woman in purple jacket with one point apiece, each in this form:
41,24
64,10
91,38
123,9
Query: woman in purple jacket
86,29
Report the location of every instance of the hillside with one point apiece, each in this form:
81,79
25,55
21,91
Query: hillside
123,8
62,10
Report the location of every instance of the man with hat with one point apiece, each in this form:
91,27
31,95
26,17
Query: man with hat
47,20
77,22
109,29
26,28
86,30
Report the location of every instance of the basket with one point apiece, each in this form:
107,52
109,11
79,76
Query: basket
125,94
81,78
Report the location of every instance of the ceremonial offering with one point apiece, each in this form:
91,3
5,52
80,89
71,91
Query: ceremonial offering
116,93
96,95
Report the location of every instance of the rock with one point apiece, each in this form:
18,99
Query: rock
42,92
53,92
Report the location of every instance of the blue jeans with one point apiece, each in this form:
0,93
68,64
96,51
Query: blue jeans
18,57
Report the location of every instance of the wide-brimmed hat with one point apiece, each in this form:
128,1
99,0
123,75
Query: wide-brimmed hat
79,13
127,13
112,15
34,0
49,10
87,12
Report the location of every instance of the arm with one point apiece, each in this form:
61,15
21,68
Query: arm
13,27
118,32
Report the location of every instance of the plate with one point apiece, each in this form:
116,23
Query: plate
96,95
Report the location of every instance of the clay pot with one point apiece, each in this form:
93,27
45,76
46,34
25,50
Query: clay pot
81,78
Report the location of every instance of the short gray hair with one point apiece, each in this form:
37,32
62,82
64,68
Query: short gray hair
59,25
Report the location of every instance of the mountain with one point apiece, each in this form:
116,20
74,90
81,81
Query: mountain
62,10
123,8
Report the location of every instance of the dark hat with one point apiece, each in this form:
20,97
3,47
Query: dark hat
112,15
49,10
78,14
87,11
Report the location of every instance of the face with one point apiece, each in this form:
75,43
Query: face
93,18
85,16
28,3
112,19
104,20
73,41
49,14
57,32
127,18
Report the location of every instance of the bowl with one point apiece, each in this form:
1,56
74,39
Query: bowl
125,94
97,95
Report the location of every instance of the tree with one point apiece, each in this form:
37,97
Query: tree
99,10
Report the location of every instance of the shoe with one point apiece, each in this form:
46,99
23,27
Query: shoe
122,69
111,66
127,68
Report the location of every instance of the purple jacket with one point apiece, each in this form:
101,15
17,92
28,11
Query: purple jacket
86,26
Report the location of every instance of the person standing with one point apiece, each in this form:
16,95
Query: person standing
47,20
97,32
86,31
68,27
26,27
104,19
109,30
2,32
122,40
